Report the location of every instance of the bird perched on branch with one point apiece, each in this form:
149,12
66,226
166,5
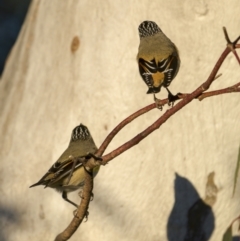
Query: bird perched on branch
68,173
158,59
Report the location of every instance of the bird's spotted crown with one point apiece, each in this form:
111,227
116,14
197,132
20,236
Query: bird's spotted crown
80,133
148,28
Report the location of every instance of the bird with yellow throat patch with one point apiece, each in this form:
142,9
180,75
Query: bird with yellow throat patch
158,59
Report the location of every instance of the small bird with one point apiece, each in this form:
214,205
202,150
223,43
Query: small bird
67,174
158,59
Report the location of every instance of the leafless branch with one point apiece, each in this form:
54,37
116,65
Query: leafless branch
199,93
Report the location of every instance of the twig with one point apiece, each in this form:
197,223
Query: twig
232,89
130,118
231,45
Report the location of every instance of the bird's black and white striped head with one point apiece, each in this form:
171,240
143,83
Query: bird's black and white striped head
148,28
80,132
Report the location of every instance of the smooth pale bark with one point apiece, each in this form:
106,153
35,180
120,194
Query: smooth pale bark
49,86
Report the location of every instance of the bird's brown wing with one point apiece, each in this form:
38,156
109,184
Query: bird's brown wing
57,172
170,68
147,69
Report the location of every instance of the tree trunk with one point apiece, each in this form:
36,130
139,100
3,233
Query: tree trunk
75,62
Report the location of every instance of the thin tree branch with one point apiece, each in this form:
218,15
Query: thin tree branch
232,89
81,211
185,99
231,45
129,119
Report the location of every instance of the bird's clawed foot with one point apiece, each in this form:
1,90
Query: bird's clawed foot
92,196
172,98
159,105
80,194
97,158
86,216
76,216
75,213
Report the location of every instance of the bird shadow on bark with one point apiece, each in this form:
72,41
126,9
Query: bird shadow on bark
8,217
236,238
191,219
